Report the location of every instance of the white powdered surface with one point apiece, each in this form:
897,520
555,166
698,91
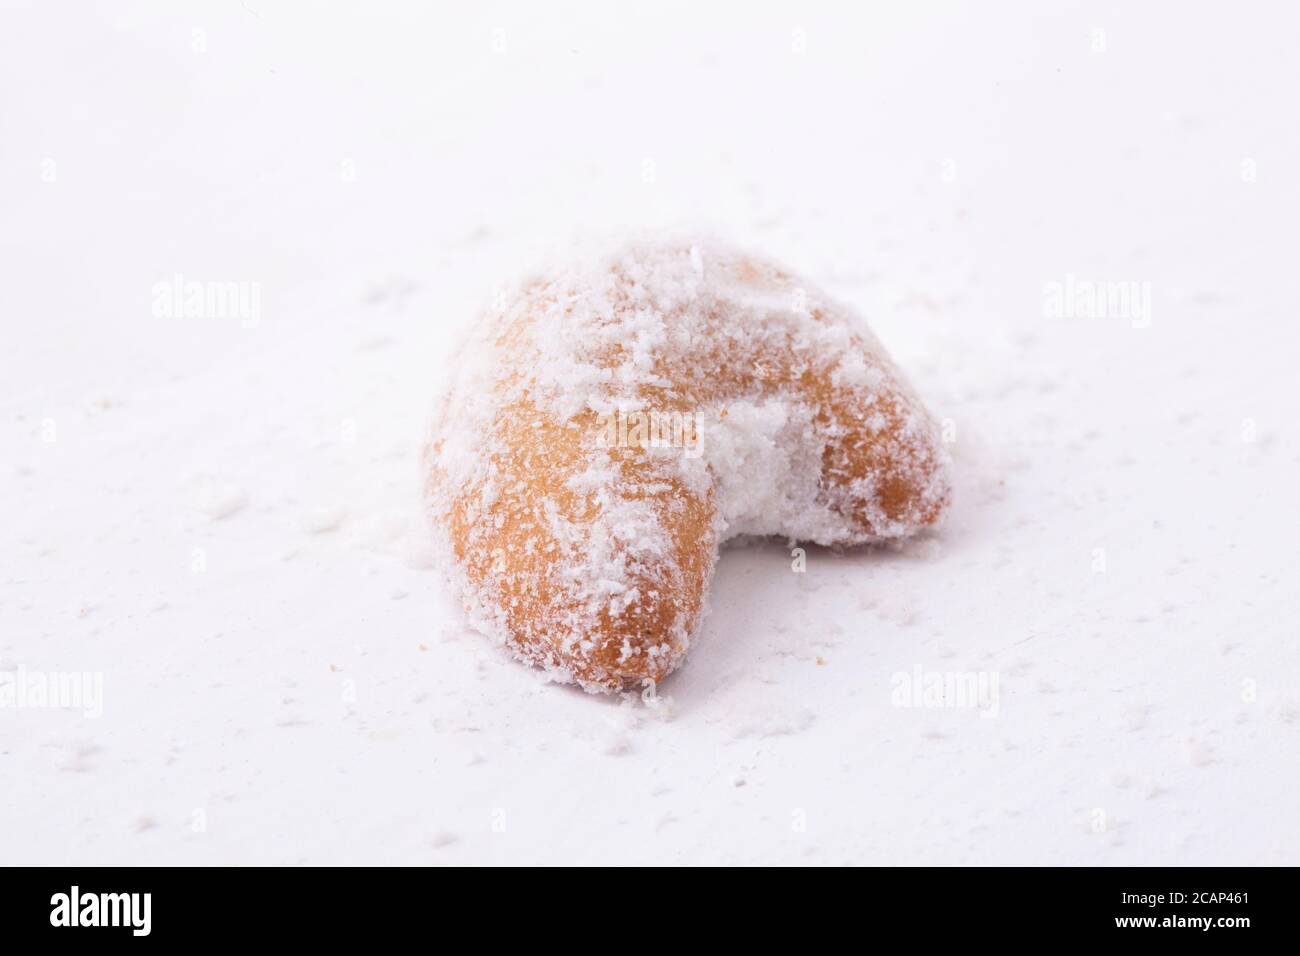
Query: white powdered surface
224,520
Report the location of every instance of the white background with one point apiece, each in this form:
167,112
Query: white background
1123,549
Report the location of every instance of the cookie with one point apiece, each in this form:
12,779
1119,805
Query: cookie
615,421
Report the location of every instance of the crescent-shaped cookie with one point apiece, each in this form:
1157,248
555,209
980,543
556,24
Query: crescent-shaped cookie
614,422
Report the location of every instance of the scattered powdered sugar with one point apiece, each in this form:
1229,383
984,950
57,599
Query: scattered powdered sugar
221,499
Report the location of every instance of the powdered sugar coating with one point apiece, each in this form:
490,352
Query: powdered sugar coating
584,543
